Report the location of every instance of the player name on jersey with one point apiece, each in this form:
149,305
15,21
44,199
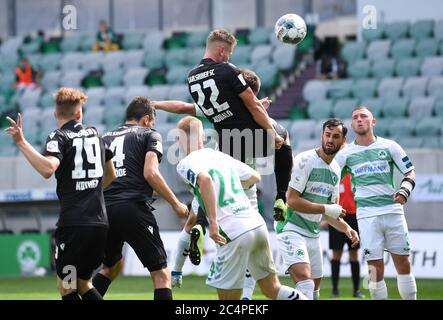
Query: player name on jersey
81,133
83,185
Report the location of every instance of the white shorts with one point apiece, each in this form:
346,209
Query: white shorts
252,196
249,251
388,231
296,248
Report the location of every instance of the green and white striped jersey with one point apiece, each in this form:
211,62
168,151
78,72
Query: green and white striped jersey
317,182
235,214
372,171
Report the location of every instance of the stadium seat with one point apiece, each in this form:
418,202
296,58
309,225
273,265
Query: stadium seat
177,74
408,67
161,117
373,34
390,87
133,41
71,43
401,127
29,98
422,29
113,60
343,108
403,48
196,39
176,57
410,142
426,48
153,41
284,57
51,79
320,109
241,55
435,87
373,104
95,96
179,92
382,126
340,88
46,100
421,107
154,59
261,54
306,144
114,116
302,129
394,107
432,66
34,60
360,69
378,49
31,118
353,51
8,63
71,61
11,46
50,61
93,115
91,61
415,87
114,97
269,75
113,78
131,92
72,78
429,127
133,59
194,56
159,92
397,30
438,29
350,136
315,90
364,88
432,142
259,36
438,107
135,77
87,42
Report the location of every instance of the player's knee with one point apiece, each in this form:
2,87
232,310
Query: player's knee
161,278
113,272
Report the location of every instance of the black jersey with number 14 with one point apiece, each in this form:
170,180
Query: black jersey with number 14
82,154
129,144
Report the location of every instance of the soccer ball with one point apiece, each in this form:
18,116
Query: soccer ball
290,28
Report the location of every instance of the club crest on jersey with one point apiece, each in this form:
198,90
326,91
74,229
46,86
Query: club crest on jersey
52,146
382,154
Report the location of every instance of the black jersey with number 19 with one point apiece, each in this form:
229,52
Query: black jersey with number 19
82,154
129,144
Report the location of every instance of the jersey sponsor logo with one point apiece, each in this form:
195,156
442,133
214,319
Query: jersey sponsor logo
83,185
52,146
320,190
407,162
382,154
372,168
201,75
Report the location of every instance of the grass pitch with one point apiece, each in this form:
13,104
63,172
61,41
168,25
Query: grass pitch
194,288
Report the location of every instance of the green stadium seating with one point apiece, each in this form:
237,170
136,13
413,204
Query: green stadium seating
374,104
71,43
408,67
259,36
343,108
403,48
410,142
426,47
438,107
382,126
383,68
360,69
364,88
397,30
241,55
196,39
340,88
395,107
422,29
401,127
154,59
133,41
373,34
353,51
429,127
113,78
175,57
320,109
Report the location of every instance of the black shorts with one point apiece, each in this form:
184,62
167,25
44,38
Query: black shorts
201,218
338,239
81,248
134,223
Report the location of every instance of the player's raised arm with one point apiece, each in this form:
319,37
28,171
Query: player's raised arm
45,165
152,175
175,106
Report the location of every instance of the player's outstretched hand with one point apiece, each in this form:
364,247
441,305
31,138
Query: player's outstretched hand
266,102
353,236
181,210
214,235
15,129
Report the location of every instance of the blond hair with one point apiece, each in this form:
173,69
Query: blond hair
221,36
68,100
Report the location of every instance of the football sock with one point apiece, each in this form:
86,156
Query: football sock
71,296
282,170
306,287
182,252
378,290
287,293
163,294
316,294
101,283
355,271
335,274
248,286
92,294
407,286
